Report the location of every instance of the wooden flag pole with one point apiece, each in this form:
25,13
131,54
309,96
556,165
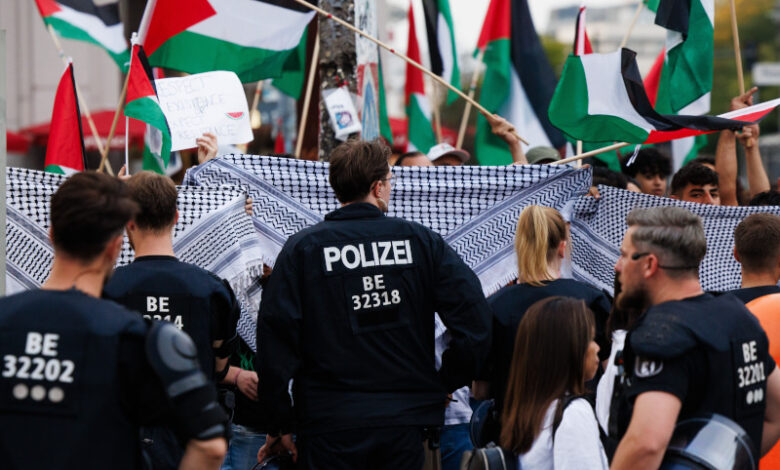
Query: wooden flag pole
737,50
464,121
82,103
434,100
315,57
254,114
633,23
413,63
119,108
591,153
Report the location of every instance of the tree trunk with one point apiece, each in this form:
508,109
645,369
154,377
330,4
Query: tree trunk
338,63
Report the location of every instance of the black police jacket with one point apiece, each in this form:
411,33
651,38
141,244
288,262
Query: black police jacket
192,298
710,352
348,313
75,382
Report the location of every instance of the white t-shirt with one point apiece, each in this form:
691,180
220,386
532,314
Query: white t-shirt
459,410
607,382
577,443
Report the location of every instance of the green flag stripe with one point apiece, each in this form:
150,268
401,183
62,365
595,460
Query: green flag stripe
195,53
69,31
421,133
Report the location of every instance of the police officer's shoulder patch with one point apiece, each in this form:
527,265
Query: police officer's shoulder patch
645,367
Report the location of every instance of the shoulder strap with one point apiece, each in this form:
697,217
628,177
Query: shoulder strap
609,444
563,403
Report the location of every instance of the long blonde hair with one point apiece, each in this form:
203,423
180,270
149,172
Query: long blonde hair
540,230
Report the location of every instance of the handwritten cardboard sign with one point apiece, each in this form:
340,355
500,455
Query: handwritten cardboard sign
205,102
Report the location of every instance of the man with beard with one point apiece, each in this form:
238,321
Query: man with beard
80,373
161,287
690,353
348,316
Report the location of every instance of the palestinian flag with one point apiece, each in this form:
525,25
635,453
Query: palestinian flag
441,43
252,38
418,110
293,77
142,104
684,78
152,158
602,97
83,20
65,152
384,121
518,81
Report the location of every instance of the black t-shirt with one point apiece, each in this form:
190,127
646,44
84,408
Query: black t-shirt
709,352
75,379
749,294
247,412
509,306
195,300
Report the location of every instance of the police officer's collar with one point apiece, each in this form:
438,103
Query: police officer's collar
355,210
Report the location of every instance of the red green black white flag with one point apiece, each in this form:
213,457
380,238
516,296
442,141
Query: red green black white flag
65,152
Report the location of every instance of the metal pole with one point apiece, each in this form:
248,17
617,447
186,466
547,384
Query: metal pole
3,159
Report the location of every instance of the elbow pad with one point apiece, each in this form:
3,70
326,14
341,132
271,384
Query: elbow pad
174,358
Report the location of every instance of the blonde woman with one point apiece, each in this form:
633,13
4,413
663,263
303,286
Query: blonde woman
541,244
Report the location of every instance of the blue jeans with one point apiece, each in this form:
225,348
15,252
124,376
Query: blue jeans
242,449
454,441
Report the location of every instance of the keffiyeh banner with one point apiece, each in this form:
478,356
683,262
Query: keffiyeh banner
598,226
474,208
213,232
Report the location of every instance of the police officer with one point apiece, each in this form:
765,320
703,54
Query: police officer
690,353
161,287
79,374
348,315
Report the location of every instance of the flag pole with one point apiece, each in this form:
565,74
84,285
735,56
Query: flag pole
82,102
472,90
436,111
580,156
315,57
737,50
413,63
633,23
254,114
119,108
127,146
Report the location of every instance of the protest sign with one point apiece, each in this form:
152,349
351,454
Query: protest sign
343,116
205,102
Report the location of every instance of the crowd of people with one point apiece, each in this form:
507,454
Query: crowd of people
375,341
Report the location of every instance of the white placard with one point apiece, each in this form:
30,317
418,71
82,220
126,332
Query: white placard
343,116
205,102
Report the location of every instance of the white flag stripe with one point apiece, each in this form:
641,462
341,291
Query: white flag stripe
445,49
110,37
607,93
246,23
518,110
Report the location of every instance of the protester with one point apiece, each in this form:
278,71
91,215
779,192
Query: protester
726,157
413,158
455,436
696,183
161,287
650,168
605,176
685,355
541,243
106,369
364,384
619,322
447,155
541,155
757,249
546,421
506,132
767,198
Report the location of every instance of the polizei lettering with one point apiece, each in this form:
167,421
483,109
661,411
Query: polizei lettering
367,255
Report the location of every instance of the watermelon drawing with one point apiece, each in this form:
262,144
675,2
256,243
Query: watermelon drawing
235,116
